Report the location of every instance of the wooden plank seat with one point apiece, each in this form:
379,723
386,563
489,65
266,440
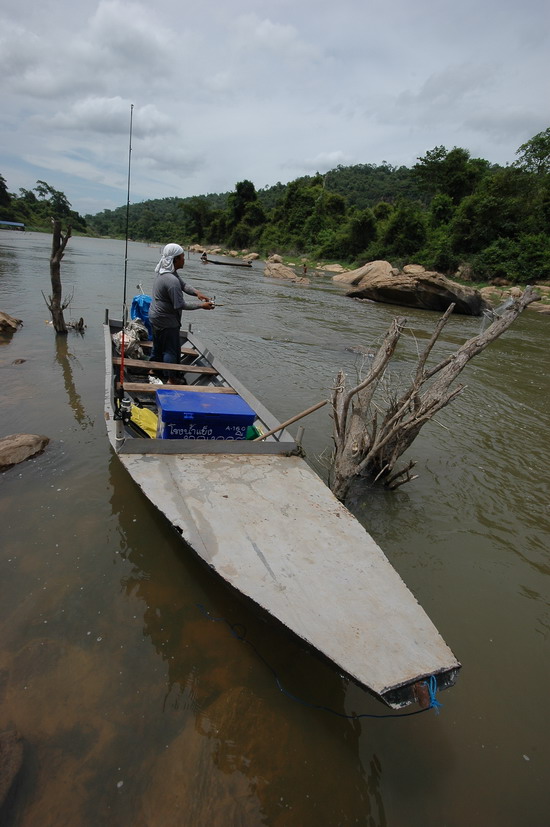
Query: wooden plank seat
185,351
146,387
143,363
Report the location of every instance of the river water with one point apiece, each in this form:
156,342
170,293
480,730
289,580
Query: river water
137,704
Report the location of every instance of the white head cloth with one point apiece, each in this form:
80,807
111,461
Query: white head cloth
166,264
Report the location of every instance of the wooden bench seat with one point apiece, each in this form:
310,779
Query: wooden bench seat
185,351
143,363
146,387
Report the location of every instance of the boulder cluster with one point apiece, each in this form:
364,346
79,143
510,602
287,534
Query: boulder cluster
218,251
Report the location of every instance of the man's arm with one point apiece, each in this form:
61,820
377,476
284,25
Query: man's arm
176,296
191,291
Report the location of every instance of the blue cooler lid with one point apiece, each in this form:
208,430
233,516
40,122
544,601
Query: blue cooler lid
202,403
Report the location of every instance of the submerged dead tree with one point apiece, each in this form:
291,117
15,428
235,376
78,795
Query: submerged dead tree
55,302
370,438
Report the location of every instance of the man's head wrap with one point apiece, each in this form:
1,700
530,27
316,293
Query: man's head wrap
166,264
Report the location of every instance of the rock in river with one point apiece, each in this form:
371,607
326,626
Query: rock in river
281,271
19,447
413,287
8,324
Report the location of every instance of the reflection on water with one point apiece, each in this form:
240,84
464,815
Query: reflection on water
64,358
136,708
237,737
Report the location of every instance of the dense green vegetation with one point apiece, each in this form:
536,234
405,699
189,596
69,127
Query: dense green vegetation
35,208
449,211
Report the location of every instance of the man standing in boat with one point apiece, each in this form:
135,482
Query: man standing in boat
168,303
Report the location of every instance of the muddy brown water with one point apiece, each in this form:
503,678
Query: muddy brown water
137,704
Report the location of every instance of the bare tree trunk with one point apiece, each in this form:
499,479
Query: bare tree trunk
55,302
369,440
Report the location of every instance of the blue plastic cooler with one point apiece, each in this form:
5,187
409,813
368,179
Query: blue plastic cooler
193,415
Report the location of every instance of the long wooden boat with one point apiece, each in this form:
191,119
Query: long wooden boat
227,263
258,515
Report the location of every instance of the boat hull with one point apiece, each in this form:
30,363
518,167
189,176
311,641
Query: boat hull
258,515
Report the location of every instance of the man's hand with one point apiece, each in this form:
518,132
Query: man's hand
208,305
202,297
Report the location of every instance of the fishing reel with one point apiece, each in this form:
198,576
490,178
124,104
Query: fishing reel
123,408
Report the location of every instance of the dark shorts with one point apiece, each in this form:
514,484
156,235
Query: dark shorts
166,347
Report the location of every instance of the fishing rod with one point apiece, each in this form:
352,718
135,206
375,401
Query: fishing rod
124,306
246,304
124,404
237,305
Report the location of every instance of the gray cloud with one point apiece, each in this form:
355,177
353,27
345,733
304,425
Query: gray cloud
259,89
107,116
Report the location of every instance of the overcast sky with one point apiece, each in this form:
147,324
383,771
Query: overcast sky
261,89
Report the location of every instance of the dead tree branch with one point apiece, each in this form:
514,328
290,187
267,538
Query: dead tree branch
55,303
369,440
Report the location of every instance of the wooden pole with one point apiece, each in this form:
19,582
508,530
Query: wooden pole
290,421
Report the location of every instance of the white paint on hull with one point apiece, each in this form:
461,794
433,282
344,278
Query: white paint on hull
272,529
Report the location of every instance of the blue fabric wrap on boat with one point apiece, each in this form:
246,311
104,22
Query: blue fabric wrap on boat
140,310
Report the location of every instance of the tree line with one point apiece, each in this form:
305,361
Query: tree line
38,207
448,211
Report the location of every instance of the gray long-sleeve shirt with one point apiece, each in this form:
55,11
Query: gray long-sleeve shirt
168,301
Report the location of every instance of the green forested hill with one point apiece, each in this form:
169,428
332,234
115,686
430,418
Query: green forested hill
365,185
448,210
362,185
